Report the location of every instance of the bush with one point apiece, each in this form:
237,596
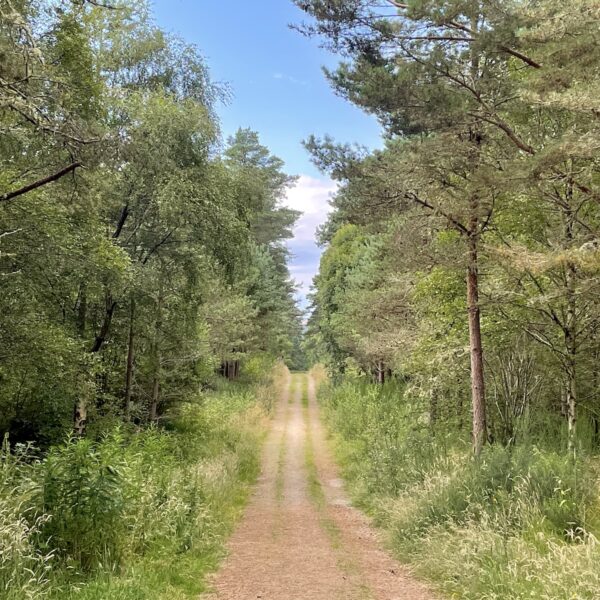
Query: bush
87,513
85,491
512,524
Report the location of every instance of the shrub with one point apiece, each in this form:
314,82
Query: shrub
512,524
74,523
84,489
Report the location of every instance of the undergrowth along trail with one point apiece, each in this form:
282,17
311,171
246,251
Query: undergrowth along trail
519,523
135,515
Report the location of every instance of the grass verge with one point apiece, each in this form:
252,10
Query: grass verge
520,523
135,515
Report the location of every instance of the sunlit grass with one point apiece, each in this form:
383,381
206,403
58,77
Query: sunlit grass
521,523
135,515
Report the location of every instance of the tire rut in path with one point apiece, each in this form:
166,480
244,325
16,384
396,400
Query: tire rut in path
299,537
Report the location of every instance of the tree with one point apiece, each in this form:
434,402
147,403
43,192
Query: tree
474,98
112,275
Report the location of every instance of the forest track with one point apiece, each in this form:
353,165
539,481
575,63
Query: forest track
300,538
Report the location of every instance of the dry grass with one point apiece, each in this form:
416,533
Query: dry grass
519,523
133,516
319,375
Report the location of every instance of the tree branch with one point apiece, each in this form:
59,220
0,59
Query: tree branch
464,28
514,138
457,224
158,245
41,182
121,223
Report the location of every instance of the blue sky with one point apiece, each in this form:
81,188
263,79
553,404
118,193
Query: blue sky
279,90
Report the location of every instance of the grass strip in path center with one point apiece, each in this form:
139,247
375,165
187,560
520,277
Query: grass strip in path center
346,563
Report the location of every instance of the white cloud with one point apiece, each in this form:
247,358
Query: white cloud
303,275
294,80
311,197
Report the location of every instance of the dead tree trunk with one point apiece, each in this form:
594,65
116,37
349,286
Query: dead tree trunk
80,414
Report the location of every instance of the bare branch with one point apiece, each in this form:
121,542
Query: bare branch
457,224
41,182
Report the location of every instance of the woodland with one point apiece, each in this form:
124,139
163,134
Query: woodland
147,307
156,255
142,259
457,303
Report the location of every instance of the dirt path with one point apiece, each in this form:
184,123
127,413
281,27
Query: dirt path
300,538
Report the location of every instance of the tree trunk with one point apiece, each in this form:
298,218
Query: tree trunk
232,370
571,401
80,406
594,412
570,329
82,310
477,381
571,363
102,336
121,223
154,404
80,410
80,415
380,373
130,362
155,396
476,347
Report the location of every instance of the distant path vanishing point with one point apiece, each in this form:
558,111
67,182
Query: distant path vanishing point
300,539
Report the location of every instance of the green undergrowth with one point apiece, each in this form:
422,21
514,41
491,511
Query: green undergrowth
520,522
135,515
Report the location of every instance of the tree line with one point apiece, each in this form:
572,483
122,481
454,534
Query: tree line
463,256
140,252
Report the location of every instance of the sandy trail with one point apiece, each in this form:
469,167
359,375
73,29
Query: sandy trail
300,538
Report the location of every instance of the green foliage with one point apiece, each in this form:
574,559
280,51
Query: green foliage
114,277
139,254
92,517
477,104
84,491
480,213
518,521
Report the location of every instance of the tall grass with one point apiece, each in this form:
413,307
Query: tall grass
136,514
519,523
24,562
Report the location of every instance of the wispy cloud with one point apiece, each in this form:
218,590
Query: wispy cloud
290,79
311,197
